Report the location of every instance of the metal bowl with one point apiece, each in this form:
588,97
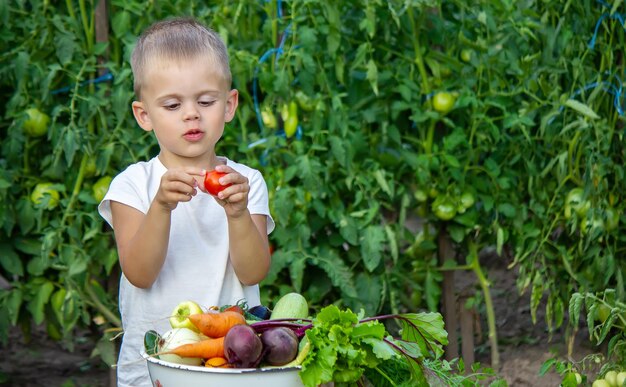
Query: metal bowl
166,374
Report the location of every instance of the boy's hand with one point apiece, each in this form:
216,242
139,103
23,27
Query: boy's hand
177,185
234,198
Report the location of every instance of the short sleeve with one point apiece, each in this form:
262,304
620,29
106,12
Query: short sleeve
126,188
258,198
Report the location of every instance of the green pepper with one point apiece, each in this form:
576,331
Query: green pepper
101,187
268,117
291,120
305,102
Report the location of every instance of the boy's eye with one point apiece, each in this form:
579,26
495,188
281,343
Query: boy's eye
206,103
172,106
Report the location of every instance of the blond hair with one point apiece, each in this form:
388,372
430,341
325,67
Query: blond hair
177,39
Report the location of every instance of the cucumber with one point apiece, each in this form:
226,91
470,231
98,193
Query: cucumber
291,305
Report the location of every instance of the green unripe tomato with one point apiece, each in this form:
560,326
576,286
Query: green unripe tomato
420,195
91,168
600,383
41,190
611,378
443,101
100,187
574,202
444,208
621,378
305,102
467,199
36,125
602,312
466,55
589,225
612,218
579,378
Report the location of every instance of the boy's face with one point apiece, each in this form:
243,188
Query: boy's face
186,103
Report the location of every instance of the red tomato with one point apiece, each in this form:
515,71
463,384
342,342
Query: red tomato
212,184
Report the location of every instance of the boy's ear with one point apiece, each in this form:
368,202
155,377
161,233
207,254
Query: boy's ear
232,100
141,116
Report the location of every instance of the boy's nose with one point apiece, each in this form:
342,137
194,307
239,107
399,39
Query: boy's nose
191,112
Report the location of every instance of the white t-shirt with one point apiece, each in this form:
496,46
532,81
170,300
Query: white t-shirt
197,265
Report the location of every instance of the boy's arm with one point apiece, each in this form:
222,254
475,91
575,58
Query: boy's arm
142,239
249,247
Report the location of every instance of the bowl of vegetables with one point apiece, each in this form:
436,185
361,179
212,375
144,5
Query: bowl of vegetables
167,374
231,346
219,347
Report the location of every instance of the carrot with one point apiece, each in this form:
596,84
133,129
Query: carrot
214,324
219,362
205,349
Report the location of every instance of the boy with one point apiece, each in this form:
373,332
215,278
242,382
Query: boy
174,243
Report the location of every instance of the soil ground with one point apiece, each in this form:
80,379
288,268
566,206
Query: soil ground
524,346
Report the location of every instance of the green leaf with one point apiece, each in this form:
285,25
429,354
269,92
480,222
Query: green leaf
348,229
427,330
120,23
41,297
340,274
382,182
65,48
13,304
393,243
371,246
10,261
575,305
372,75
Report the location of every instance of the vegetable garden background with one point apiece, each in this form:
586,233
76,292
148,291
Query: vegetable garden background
399,141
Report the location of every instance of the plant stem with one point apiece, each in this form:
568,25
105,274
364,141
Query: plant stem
491,318
108,314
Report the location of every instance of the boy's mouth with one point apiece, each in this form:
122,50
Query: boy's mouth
193,135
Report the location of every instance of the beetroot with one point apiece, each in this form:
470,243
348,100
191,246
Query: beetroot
280,345
243,347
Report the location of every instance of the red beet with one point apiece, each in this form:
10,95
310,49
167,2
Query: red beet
243,347
280,345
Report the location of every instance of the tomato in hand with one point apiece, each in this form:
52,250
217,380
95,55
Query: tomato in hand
212,183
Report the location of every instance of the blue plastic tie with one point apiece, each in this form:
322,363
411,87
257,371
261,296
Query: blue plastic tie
277,52
618,16
103,78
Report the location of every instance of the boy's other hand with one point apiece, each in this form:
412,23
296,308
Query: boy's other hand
234,198
178,185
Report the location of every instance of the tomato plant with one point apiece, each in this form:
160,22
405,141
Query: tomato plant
212,183
525,129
